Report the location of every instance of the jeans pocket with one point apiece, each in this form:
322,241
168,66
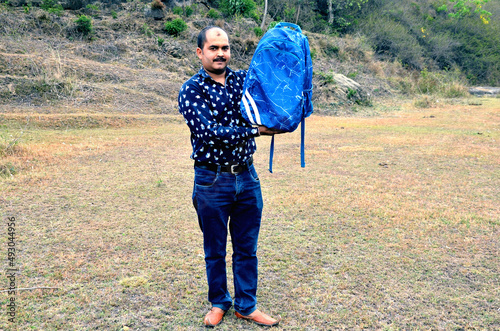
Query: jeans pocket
253,173
204,177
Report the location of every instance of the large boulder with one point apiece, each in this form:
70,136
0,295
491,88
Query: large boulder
350,90
484,91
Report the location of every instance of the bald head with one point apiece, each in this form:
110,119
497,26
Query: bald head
202,36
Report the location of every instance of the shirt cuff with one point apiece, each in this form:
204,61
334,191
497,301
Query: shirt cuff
255,132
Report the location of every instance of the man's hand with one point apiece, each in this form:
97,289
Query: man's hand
265,131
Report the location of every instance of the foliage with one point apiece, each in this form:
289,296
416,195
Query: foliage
213,14
424,35
462,8
175,26
258,31
244,8
188,10
177,10
147,30
448,84
326,78
52,6
27,7
272,25
84,24
92,7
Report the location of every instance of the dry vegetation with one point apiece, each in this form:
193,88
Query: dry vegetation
393,224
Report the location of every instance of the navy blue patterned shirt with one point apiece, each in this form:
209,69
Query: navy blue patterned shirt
219,134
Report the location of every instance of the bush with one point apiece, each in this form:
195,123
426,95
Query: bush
147,30
175,27
177,10
245,8
157,4
331,50
52,6
84,24
189,11
258,31
214,14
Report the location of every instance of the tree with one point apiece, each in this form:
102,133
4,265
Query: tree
341,7
463,8
264,16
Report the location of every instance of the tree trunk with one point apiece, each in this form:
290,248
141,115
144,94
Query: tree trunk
264,16
330,12
298,13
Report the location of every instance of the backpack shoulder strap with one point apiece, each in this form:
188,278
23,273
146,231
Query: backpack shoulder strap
271,154
302,142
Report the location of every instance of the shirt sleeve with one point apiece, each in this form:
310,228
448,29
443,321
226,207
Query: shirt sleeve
202,123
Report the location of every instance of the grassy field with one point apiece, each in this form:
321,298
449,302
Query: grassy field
393,224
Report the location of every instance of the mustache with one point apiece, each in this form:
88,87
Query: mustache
222,59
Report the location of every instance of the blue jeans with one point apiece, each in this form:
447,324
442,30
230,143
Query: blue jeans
222,199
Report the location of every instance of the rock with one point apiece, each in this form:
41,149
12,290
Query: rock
351,89
484,91
156,13
174,49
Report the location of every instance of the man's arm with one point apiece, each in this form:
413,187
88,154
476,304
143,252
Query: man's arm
201,122
265,131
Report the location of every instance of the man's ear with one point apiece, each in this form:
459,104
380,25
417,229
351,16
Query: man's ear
199,52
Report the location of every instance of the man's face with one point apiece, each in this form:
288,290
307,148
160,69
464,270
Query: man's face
215,54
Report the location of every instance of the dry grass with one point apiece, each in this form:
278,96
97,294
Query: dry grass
393,224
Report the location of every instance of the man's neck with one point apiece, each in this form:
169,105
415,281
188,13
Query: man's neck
218,78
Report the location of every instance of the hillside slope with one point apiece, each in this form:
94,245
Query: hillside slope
130,65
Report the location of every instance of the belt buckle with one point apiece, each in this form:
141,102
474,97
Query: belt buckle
234,169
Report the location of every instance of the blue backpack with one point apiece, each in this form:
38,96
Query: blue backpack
277,91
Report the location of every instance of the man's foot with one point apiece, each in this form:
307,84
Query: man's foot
260,318
214,317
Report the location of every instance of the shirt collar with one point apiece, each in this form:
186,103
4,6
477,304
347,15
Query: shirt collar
203,73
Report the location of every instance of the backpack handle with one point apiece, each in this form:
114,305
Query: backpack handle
288,25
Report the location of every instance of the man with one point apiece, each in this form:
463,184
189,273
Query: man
226,189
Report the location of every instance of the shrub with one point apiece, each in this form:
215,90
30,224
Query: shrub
52,6
237,7
188,11
428,82
424,102
327,78
175,27
7,170
177,10
147,30
27,8
331,50
160,41
214,14
157,4
84,24
272,25
92,7
258,31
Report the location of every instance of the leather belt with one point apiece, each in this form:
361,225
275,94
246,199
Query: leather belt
233,168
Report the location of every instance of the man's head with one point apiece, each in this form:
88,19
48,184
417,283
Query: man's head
213,49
